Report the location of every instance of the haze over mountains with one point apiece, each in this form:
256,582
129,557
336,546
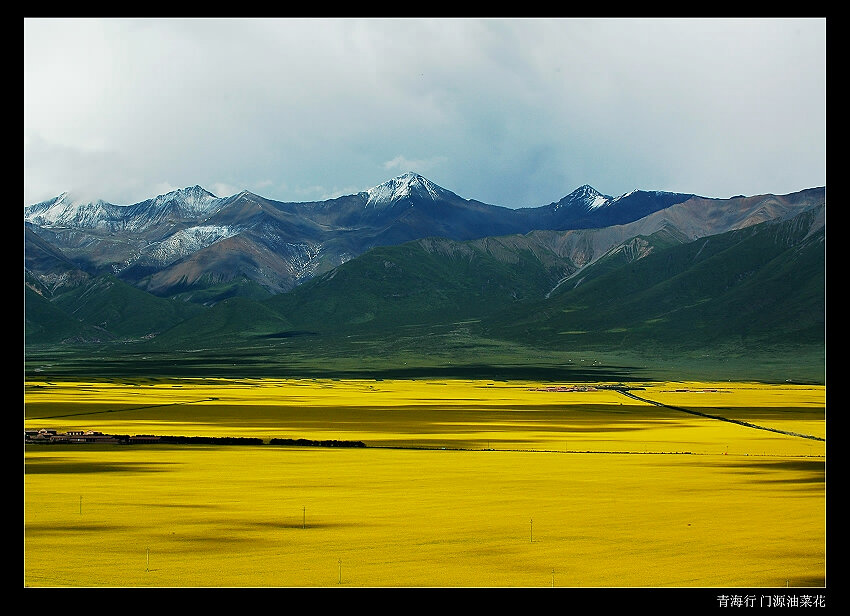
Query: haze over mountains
188,269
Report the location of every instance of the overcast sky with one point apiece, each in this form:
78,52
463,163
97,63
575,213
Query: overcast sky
516,112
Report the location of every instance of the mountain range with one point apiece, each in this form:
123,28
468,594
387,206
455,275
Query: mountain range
648,269
190,239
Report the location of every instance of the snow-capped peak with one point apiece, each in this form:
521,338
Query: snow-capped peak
406,185
584,196
192,199
66,209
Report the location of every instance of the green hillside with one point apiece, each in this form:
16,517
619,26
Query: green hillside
744,304
208,292
624,254
46,323
424,282
762,285
118,308
232,321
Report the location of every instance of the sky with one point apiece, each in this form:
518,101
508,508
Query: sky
517,112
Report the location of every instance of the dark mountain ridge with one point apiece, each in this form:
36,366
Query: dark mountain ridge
745,275
179,240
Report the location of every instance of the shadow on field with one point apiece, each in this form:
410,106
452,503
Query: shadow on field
772,471
300,525
62,467
245,365
220,536
810,582
64,529
178,505
243,533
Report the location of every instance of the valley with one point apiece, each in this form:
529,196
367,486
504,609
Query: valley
461,483
602,392
436,304
698,281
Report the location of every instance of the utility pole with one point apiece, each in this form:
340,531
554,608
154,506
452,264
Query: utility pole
531,531
147,559
304,523
340,571
81,504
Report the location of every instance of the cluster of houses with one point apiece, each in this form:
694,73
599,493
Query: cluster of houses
620,387
566,388
49,435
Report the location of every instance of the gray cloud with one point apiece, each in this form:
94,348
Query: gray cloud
514,112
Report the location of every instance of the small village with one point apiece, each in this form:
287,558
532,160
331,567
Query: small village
51,436
574,388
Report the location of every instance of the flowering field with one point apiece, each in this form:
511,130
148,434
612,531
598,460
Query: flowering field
462,484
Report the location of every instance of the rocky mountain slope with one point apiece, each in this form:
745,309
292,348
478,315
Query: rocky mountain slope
693,272
190,240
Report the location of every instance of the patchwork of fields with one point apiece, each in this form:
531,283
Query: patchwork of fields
462,484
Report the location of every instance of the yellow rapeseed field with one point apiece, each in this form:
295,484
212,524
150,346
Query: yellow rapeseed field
462,484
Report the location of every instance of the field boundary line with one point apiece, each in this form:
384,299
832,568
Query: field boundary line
132,408
746,424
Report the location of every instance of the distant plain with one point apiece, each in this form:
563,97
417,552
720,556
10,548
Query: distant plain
463,482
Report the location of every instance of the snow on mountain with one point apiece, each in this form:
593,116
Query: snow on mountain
67,211
193,200
406,185
657,193
628,194
187,241
598,201
585,197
